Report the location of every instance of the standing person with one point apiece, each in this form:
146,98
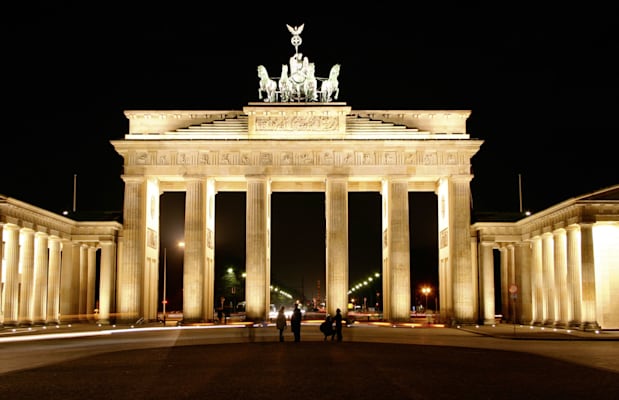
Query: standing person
295,323
280,323
338,324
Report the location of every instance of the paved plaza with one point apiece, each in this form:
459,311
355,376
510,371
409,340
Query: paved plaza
373,361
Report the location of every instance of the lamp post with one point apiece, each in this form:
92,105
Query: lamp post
426,291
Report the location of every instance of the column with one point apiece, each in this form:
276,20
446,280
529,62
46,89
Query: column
396,274
195,251
336,209
460,250
26,262
560,261
504,280
53,285
548,279
589,316
106,280
523,282
537,309
209,272
69,281
41,260
130,271
83,282
574,276
11,286
257,283
487,283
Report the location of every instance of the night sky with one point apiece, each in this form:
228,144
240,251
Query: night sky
541,84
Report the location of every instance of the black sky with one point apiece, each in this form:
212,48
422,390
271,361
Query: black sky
542,86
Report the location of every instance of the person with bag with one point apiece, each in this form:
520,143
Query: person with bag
280,323
326,327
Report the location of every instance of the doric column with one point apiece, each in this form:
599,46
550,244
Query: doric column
106,280
83,282
459,201
396,246
258,276
504,282
195,251
487,283
26,261
537,310
69,281
209,272
523,281
589,315
53,285
548,279
560,263
574,276
11,287
41,260
336,209
131,268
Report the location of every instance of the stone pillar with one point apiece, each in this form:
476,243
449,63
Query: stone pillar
537,293
504,280
396,245
548,279
487,283
336,209
83,283
69,282
26,261
560,261
460,250
258,276
523,281
574,276
91,282
53,285
107,277
11,287
194,263
131,268
589,315
41,260
209,272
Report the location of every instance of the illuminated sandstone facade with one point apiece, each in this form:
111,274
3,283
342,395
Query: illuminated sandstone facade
559,267
316,147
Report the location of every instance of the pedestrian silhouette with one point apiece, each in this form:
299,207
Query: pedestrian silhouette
295,323
338,324
327,327
280,323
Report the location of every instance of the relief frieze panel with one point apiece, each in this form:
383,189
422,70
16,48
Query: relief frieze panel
297,123
328,157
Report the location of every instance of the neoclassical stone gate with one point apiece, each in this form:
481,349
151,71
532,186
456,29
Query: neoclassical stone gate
279,147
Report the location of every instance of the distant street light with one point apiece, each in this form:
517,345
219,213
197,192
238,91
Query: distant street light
426,291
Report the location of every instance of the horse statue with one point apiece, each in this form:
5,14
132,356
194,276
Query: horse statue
330,87
267,85
285,85
310,86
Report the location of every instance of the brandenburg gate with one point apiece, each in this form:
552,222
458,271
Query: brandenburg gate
299,138
300,147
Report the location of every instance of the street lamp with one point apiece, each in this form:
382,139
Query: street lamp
426,291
